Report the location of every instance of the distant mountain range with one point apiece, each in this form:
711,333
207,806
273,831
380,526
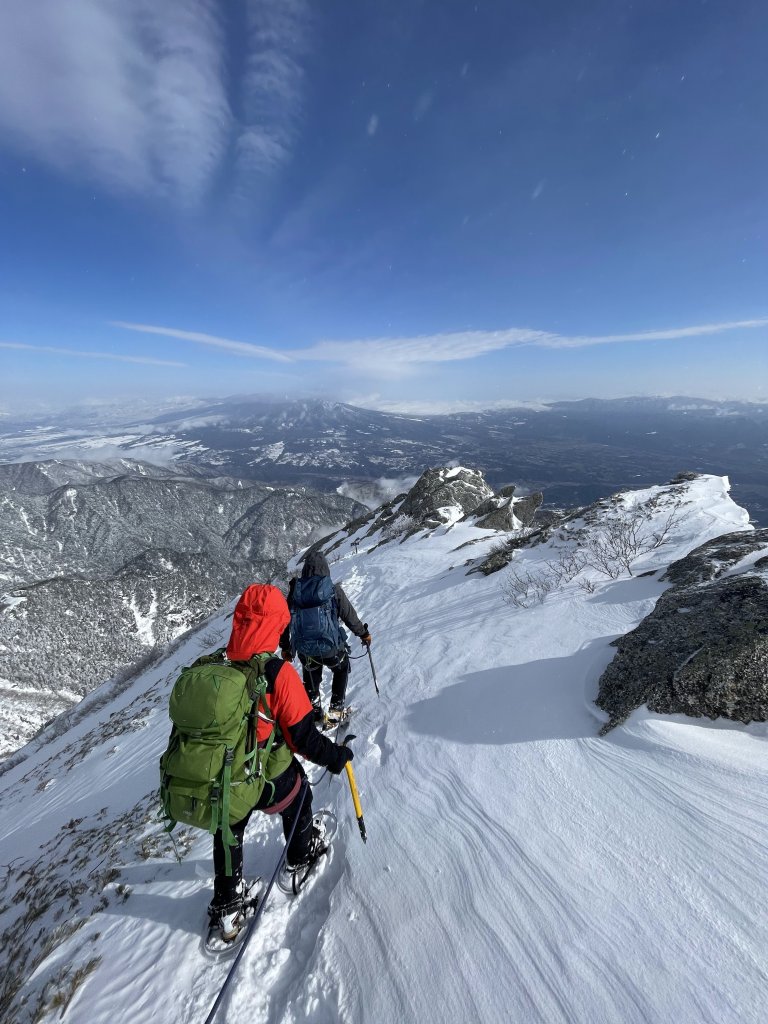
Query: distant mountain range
574,451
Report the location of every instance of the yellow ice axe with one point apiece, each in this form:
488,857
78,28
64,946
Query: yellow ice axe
355,794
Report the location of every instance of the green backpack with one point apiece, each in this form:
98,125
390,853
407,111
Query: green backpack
212,772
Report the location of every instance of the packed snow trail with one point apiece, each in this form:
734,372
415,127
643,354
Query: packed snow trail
518,868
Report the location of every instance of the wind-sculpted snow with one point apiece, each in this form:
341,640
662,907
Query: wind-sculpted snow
519,868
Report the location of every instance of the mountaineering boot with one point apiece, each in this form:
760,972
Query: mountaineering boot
294,874
335,713
229,914
230,924
316,847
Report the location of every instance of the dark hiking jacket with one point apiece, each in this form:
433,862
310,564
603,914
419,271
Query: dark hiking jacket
315,564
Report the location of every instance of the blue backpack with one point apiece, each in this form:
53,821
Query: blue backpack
315,628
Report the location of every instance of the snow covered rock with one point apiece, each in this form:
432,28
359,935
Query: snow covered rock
703,651
440,497
434,498
503,511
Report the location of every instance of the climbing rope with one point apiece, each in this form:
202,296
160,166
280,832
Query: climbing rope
262,904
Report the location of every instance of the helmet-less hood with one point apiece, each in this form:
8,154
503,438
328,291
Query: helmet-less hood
315,564
260,617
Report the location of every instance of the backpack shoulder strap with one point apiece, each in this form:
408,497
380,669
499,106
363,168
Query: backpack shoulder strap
260,673
264,669
272,671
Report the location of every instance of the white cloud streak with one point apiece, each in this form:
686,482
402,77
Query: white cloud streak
430,348
240,348
52,350
386,354
392,357
557,341
134,95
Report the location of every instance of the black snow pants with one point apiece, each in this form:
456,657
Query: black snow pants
312,673
224,886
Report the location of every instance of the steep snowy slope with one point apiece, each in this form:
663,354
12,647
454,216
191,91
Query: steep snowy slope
518,867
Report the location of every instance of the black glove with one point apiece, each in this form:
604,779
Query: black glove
286,655
340,758
365,639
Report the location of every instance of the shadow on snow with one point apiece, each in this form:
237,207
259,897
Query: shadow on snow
539,700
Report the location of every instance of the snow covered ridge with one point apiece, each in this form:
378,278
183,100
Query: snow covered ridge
594,880
440,497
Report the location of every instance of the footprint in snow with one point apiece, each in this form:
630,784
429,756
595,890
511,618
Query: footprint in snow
380,749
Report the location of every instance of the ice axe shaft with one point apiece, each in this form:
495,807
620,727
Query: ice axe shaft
355,794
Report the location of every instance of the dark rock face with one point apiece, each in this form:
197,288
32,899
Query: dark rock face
501,554
714,558
703,651
510,513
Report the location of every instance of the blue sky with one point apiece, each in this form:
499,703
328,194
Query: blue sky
403,204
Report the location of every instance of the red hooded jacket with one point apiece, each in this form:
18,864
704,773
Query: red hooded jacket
260,617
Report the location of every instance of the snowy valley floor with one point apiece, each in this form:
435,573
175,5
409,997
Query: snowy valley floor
518,868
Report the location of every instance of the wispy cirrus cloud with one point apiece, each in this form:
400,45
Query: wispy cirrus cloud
76,353
241,348
428,348
394,356
136,96
458,345
673,334
271,85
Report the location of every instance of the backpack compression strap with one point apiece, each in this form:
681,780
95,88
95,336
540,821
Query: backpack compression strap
257,683
220,811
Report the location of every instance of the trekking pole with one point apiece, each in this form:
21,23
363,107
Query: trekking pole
355,794
373,670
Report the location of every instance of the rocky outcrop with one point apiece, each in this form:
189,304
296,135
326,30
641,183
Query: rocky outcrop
509,513
502,553
438,492
703,651
440,497
503,511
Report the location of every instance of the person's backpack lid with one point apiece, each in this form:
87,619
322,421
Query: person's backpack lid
313,591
